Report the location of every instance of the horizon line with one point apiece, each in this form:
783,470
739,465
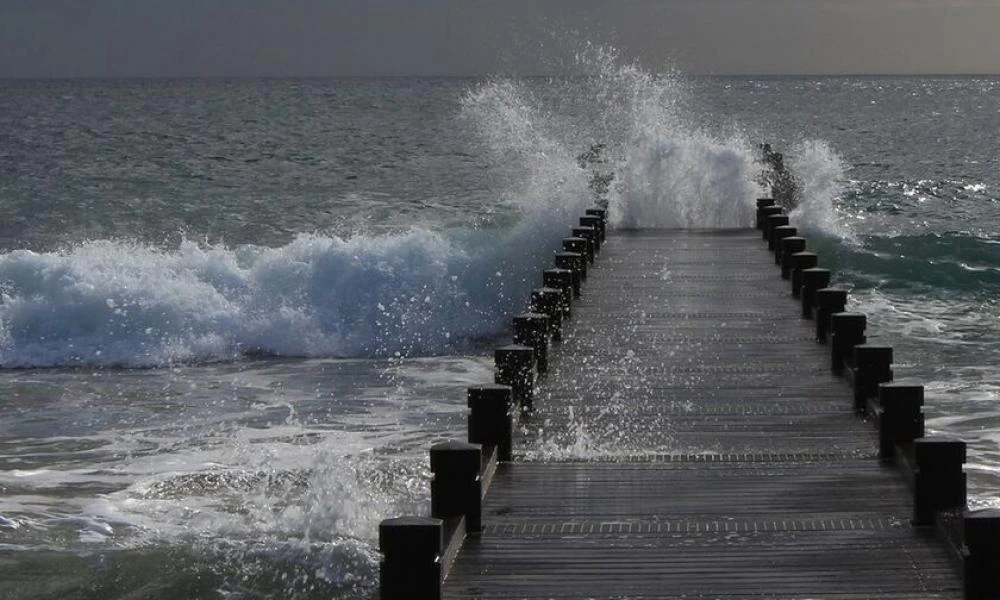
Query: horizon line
476,76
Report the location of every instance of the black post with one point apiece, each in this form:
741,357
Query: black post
561,279
872,366
800,262
575,263
764,212
847,330
548,301
812,279
981,532
772,221
902,419
781,232
603,215
532,329
580,246
790,246
597,224
589,234
514,366
828,301
411,550
456,487
490,408
939,482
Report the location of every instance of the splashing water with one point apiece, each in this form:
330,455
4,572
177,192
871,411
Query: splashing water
821,173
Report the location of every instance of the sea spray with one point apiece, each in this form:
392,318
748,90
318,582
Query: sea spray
821,176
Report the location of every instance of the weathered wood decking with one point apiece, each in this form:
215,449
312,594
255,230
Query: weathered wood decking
720,457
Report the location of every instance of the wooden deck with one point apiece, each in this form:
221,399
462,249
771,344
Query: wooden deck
689,441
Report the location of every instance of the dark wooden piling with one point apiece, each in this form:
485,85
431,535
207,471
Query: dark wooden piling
764,212
549,302
981,533
514,366
580,246
456,490
789,247
939,481
800,262
780,233
828,301
593,241
847,331
812,280
900,418
598,224
533,330
490,408
411,550
770,224
575,263
602,215
562,280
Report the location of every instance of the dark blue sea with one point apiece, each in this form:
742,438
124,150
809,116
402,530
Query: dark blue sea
235,313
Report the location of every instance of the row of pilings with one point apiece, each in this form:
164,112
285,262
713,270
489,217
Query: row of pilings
932,465
418,551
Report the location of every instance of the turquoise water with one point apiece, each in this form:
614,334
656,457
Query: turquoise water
235,314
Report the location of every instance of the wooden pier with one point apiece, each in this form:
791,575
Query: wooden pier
739,441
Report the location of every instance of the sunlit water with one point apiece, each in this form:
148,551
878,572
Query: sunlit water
235,314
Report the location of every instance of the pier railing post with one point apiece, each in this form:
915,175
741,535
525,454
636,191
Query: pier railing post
981,554
580,246
575,264
939,482
514,366
902,418
812,279
828,301
872,366
596,223
532,329
548,301
763,203
789,247
847,331
589,234
411,550
490,408
602,214
764,212
780,233
561,279
456,487
800,262
773,221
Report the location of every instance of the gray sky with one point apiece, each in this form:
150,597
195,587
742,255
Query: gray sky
457,37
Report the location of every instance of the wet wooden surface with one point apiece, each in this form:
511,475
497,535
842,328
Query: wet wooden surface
690,441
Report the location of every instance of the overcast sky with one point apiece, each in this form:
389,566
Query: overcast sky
471,37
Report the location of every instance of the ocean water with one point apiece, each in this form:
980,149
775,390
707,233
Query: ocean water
235,314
